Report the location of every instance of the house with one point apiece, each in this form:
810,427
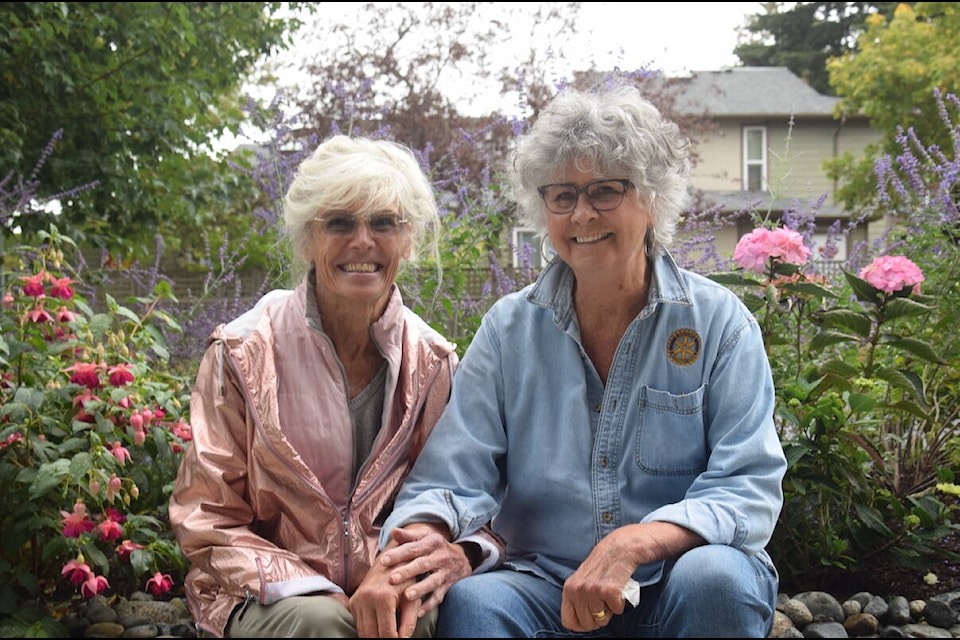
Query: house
772,135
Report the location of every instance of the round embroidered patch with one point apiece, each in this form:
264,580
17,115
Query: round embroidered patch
683,347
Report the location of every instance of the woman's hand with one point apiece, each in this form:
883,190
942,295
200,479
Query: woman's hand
424,551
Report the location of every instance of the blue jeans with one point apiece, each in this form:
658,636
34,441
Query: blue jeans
712,591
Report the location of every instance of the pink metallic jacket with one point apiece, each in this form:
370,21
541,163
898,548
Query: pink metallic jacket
248,512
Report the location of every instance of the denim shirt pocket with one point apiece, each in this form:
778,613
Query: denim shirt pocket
671,439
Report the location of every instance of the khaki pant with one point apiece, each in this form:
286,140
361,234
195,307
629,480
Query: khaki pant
314,616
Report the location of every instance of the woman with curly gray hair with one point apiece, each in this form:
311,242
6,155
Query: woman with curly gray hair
615,417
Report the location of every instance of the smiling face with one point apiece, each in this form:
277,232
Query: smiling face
604,245
357,256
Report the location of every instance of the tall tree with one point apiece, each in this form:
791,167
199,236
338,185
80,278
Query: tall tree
892,77
802,36
138,91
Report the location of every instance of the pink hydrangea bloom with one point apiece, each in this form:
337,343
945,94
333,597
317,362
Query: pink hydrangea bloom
756,248
891,273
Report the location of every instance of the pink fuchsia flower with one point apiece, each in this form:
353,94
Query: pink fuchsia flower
60,288
39,315
120,453
114,484
159,584
182,430
65,315
33,285
10,439
8,300
757,248
125,548
94,585
76,523
120,375
115,514
109,530
891,273
76,571
86,374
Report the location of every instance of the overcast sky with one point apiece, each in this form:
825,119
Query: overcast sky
675,36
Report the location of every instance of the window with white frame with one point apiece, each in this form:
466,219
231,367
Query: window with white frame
527,250
755,158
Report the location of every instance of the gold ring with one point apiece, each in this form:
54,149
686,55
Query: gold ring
601,615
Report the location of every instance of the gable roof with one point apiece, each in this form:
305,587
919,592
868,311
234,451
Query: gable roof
748,92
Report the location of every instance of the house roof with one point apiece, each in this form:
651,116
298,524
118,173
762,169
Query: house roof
745,201
750,91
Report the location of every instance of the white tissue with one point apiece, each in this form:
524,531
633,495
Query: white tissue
631,592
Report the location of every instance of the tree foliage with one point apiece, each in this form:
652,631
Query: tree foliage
802,36
139,91
900,68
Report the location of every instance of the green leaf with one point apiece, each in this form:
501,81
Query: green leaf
857,322
861,403
49,477
905,308
824,339
839,368
864,291
734,279
912,345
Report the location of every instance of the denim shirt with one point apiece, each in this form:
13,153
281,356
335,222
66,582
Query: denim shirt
683,432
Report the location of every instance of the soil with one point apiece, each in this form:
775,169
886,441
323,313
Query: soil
884,577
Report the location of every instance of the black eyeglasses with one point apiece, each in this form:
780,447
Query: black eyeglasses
603,195
344,224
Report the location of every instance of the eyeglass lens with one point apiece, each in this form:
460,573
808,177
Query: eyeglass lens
344,224
603,195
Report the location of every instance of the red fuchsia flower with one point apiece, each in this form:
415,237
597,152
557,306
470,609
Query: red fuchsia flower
182,430
761,245
115,514
77,523
891,273
120,453
60,288
94,585
33,285
86,374
109,530
159,584
76,571
65,315
80,400
10,439
120,375
125,548
39,315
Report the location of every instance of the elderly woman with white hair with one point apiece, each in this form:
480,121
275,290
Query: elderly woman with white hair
310,409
